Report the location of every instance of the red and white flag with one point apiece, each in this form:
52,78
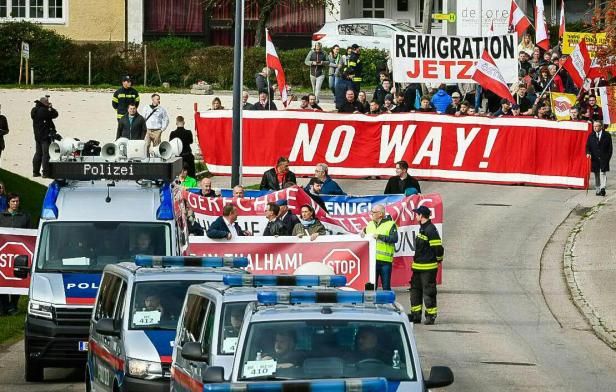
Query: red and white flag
578,63
489,77
273,62
542,38
562,29
517,20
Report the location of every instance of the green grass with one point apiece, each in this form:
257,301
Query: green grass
31,194
12,327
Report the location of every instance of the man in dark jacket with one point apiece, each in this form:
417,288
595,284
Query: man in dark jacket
399,183
262,81
381,91
342,86
13,217
42,115
599,150
124,96
315,190
350,104
428,255
355,68
186,137
274,227
454,106
264,102
226,227
288,218
132,126
274,178
4,130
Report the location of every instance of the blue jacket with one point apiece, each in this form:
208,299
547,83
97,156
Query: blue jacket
3,203
341,88
219,229
441,100
330,187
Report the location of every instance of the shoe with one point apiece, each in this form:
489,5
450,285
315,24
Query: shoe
415,319
45,175
429,320
602,193
36,174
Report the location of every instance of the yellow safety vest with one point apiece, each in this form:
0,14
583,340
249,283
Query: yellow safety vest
384,250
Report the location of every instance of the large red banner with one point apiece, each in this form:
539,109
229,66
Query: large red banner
14,242
251,218
504,150
348,255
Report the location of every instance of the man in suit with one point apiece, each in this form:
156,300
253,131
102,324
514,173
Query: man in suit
132,126
276,177
226,227
599,150
288,218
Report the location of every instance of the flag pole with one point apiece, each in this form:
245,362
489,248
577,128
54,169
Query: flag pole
236,147
548,85
267,78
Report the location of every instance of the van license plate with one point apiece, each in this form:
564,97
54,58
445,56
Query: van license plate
83,346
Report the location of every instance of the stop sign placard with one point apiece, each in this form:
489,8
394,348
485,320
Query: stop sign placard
8,252
344,262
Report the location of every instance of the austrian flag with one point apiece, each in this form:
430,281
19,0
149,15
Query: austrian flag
578,63
489,77
518,22
273,62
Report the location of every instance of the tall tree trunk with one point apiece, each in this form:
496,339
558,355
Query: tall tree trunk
265,10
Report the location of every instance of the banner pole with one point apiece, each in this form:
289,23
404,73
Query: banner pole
547,86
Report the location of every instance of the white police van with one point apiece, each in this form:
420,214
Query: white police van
212,315
341,385
134,322
95,213
328,334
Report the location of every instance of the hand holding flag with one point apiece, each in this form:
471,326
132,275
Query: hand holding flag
273,62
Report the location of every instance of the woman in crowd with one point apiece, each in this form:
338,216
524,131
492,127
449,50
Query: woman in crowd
364,105
216,104
535,60
526,45
308,224
334,58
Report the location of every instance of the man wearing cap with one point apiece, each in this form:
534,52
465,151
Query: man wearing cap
288,219
454,106
330,187
385,231
389,106
428,254
355,68
505,109
123,96
274,227
42,115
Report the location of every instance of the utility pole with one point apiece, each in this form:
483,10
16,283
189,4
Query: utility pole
236,149
426,28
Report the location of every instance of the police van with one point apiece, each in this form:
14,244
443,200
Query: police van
98,211
328,334
209,327
134,322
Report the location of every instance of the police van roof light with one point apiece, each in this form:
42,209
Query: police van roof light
285,280
50,210
347,385
190,261
346,297
165,209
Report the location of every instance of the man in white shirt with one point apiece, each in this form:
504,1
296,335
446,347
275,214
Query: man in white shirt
226,227
156,121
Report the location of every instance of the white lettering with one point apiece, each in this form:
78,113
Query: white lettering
431,147
396,142
330,154
463,143
303,141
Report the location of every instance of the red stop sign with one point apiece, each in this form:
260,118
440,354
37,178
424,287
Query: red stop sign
344,262
8,252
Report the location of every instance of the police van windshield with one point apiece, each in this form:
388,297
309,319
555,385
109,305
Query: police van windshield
232,317
89,246
317,349
158,304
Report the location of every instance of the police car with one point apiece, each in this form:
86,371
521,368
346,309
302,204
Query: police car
329,334
133,325
212,315
96,212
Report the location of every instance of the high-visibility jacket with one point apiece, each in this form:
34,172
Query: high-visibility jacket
384,250
428,248
122,97
355,67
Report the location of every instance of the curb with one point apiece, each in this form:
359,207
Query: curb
602,331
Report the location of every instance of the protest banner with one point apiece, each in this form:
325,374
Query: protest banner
450,59
562,103
15,242
348,255
251,218
593,40
440,147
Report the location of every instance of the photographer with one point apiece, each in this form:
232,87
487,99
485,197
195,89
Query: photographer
44,132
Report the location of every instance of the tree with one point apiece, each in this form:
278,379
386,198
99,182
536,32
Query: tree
604,21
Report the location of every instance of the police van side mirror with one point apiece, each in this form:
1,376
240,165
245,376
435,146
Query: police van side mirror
21,267
214,374
107,327
192,351
440,376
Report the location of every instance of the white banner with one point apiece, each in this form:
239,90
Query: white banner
450,59
476,17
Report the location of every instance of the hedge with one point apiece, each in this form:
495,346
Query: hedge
179,61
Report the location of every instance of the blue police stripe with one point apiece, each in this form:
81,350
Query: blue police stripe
392,386
161,341
81,285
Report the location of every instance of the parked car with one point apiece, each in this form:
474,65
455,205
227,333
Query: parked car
366,32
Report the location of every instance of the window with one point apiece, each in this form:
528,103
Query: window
208,332
231,322
196,308
437,7
111,290
403,5
354,29
46,11
382,31
374,9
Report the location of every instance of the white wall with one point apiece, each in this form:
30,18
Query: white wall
135,13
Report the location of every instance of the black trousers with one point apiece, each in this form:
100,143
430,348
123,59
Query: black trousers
423,292
189,159
41,157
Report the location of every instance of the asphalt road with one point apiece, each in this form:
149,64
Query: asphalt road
505,321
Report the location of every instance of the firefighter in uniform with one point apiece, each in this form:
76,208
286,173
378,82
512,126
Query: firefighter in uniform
385,231
355,67
124,96
428,255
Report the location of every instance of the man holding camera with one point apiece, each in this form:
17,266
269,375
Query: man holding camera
42,115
